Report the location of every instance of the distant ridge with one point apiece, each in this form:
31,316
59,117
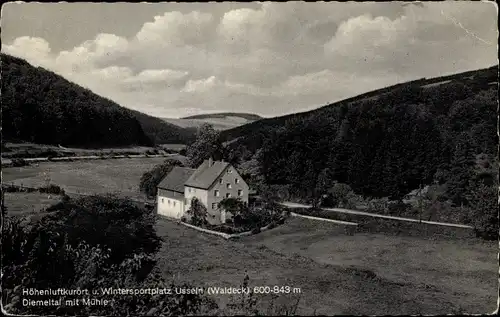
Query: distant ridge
248,116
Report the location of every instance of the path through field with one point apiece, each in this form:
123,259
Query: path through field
363,213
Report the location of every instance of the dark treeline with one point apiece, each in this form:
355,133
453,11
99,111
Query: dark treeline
382,145
41,107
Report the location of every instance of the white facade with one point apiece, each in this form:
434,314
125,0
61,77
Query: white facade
191,192
170,204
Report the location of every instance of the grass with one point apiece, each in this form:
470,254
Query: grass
365,273
20,204
86,177
42,150
386,267
367,224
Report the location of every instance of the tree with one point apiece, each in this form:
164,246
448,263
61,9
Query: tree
233,205
341,195
198,213
322,183
483,203
206,145
462,170
151,179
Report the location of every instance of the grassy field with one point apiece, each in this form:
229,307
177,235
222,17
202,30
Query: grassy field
21,204
365,273
27,150
85,177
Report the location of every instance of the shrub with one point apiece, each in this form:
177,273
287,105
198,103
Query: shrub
42,257
255,230
52,189
19,162
198,213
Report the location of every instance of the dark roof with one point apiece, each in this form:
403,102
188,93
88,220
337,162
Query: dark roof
176,178
205,175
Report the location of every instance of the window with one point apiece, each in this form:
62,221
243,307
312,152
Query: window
216,193
174,203
220,181
214,205
189,189
240,192
228,186
228,195
168,200
162,201
236,181
229,171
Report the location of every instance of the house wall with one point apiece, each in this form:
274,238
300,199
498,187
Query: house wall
228,177
170,203
191,192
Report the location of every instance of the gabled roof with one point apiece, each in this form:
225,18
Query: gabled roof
176,178
205,175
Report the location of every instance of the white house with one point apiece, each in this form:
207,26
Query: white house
211,182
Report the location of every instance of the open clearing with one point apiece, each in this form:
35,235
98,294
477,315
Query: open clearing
85,177
364,273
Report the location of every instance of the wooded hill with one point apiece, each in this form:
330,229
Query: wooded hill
40,106
383,143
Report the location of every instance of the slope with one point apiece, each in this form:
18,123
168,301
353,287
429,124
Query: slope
382,143
40,106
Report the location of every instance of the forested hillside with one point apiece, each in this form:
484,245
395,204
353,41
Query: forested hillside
384,143
41,107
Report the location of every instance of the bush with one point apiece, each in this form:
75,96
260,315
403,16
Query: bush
92,242
19,162
198,213
52,189
255,230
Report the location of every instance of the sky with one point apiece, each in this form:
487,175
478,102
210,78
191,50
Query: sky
179,59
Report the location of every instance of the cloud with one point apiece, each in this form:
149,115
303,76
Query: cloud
367,32
176,28
34,49
200,85
272,57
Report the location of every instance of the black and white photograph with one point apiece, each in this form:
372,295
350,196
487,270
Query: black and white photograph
249,158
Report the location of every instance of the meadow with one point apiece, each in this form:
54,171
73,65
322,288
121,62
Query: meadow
85,177
385,267
358,274
29,203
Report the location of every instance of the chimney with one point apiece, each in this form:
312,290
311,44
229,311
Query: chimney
210,162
